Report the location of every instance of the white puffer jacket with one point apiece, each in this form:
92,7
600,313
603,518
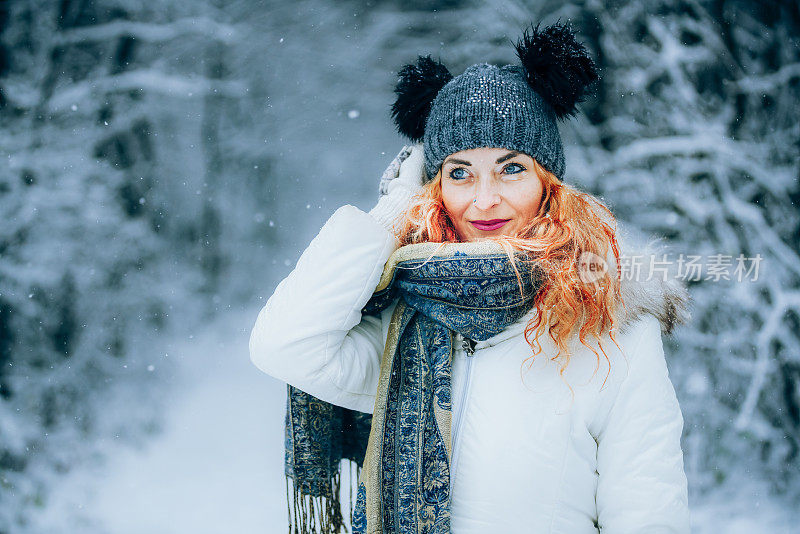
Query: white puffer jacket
526,457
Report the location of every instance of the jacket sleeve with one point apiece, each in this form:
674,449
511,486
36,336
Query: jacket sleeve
310,333
642,486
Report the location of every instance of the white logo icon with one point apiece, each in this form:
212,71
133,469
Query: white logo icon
591,267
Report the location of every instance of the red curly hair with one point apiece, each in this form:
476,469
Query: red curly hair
568,224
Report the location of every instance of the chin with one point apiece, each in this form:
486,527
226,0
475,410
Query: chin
480,237
473,236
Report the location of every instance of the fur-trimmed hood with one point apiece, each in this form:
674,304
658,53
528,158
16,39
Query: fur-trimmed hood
660,293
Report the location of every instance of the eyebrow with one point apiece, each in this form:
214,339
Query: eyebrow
499,160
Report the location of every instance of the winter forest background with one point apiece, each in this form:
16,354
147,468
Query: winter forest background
164,164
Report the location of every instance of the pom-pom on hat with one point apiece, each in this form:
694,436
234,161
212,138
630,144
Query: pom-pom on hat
513,106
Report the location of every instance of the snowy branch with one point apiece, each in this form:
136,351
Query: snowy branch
146,80
735,153
149,32
764,364
768,82
755,219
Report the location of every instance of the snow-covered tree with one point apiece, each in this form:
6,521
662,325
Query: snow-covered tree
115,219
693,137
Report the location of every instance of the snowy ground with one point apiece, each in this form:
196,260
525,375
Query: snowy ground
217,467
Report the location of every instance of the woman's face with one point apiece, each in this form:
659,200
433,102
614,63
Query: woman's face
503,184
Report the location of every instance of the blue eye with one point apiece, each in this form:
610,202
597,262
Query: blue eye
521,168
457,177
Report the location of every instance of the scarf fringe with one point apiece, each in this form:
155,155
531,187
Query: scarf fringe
322,514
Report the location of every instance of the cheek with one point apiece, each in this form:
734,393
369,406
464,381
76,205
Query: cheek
529,199
454,202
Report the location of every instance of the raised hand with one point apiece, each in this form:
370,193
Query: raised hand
401,180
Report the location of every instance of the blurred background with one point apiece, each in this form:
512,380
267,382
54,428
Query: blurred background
164,163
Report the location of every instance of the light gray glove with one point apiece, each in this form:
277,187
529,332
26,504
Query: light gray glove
401,180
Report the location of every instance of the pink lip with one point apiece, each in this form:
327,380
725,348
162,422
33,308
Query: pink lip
493,224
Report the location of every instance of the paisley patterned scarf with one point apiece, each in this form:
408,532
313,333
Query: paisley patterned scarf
403,450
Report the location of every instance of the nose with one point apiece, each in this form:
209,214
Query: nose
486,194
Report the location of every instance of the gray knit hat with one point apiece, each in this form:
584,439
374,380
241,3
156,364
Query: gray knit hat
512,106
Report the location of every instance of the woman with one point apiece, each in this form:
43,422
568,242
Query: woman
511,388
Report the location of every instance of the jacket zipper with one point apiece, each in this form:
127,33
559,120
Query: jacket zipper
468,346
